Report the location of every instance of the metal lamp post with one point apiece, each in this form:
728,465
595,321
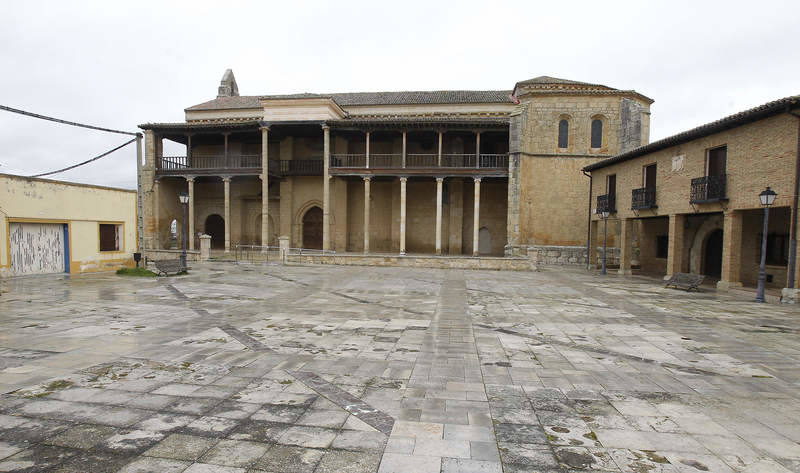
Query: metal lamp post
767,198
183,197
604,213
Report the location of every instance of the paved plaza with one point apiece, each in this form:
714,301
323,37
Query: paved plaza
328,369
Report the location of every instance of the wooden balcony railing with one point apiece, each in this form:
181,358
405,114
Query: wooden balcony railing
709,189
420,161
232,161
607,202
644,198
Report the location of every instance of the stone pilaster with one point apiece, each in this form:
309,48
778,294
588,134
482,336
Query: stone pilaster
731,251
439,215
403,214
476,223
676,238
591,258
625,246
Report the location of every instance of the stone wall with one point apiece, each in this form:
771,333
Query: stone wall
440,262
553,255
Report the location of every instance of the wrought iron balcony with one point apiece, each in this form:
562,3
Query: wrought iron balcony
644,198
420,161
708,189
607,202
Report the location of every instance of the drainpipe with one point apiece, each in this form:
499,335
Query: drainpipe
793,236
589,223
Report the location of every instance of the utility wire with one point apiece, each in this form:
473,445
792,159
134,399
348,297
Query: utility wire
88,160
65,122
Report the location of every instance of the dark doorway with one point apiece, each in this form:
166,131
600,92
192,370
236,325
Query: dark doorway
713,255
215,228
312,229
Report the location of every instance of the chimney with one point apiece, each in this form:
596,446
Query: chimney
227,86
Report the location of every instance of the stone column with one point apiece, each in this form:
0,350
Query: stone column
326,189
403,213
227,182
366,214
156,213
675,249
264,188
439,160
625,246
439,215
476,224
190,182
367,151
205,247
731,251
404,148
477,149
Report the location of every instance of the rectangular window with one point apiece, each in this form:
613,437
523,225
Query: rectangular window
777,249
649,177
110,237
662,246
717,161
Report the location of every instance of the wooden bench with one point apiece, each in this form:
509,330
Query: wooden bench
167,266
685,281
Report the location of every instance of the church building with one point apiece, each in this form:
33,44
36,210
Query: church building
451,172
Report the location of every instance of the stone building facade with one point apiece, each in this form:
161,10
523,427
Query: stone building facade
445,172
690,203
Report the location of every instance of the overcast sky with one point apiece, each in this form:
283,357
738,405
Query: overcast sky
117,65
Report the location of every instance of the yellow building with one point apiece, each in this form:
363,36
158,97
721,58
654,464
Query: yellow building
690,203
475,173
51,226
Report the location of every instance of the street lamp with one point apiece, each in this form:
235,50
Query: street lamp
767,198
183,197
604,213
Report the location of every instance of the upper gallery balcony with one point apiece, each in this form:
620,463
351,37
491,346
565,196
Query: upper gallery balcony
238,164
419,163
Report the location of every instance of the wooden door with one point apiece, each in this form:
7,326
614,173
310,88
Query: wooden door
312,229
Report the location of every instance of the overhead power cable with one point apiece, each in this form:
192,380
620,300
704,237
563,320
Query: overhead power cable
65,122
88,160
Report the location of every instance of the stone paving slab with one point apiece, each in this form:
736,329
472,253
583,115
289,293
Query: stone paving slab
336,369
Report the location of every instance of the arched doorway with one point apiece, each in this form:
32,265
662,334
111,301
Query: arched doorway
215,228
484,241
312,228
712,254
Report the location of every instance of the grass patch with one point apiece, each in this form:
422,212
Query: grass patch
141,272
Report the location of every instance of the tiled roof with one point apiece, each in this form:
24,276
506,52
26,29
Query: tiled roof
220,124
547,80
757,113
368,98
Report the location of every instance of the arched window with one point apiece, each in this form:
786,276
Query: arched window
597,133
563,134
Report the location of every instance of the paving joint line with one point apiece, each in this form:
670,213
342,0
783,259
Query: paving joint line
375,418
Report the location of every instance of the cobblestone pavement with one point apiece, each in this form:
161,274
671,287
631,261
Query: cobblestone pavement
344,369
